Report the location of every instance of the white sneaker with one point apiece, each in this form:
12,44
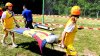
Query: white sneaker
14,45
3,43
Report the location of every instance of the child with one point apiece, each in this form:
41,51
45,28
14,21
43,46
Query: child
27,14
7,21
69,32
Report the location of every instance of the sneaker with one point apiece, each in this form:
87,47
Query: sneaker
3,43
14,45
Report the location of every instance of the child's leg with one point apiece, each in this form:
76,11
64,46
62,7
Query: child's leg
13,39
26,25
4,37
30,25
63,38
70,51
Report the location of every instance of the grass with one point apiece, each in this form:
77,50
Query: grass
86,39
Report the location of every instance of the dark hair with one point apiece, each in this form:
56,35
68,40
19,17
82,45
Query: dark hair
4,8
75,16
25,5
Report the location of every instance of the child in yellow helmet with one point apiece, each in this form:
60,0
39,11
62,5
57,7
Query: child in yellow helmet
8,23
69,32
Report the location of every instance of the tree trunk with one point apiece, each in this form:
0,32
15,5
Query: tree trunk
97,14
84,12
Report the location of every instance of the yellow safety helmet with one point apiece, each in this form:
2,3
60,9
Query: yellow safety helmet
8,4
75,10
0,8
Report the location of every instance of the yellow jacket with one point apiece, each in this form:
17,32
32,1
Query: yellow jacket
8,21
69,36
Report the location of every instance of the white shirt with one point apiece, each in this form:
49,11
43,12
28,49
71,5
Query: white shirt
4,14
69,28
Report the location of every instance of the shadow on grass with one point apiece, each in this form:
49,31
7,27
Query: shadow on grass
33,47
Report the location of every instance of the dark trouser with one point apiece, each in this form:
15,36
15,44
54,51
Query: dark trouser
29,25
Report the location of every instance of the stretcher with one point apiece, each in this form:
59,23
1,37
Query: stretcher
42,37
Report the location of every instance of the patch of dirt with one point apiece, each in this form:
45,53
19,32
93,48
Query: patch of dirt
76,39
87,52
1,35
20,54
59,49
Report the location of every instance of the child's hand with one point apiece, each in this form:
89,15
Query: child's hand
17,26
62,46
4,28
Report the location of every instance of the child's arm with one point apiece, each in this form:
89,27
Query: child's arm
63,38
16,23
23,16
24,19
15,20
2,19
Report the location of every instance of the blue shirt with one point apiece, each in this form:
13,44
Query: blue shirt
27,14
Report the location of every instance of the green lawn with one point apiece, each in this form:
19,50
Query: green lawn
86,41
